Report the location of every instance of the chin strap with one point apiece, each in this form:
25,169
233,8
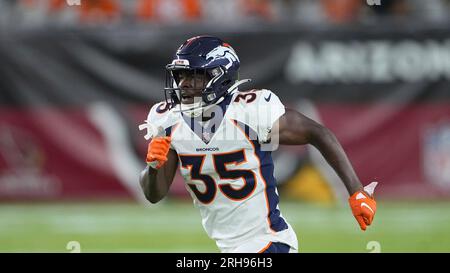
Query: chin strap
196,109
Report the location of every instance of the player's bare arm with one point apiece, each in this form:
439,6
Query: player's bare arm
155,182
296,129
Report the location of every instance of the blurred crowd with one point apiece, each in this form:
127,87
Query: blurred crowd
34,12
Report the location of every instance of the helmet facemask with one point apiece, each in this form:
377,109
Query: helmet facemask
208,94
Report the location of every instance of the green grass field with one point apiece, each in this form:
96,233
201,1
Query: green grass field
176,227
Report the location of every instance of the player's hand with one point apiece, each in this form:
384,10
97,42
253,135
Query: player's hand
157,152
363,205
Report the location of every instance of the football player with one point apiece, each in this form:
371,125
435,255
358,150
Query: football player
221,139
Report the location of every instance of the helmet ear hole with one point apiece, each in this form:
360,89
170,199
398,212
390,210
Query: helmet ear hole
214,72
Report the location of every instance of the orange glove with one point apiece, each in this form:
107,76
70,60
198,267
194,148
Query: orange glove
157,151
363,205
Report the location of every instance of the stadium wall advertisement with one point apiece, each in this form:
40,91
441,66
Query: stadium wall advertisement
71,103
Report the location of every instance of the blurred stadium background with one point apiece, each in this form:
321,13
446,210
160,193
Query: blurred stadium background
76,81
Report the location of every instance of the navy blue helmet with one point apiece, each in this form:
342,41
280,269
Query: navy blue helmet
205,55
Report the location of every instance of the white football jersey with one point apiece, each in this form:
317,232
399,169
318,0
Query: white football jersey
228,169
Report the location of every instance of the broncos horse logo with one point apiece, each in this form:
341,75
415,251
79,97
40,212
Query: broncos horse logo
222,52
